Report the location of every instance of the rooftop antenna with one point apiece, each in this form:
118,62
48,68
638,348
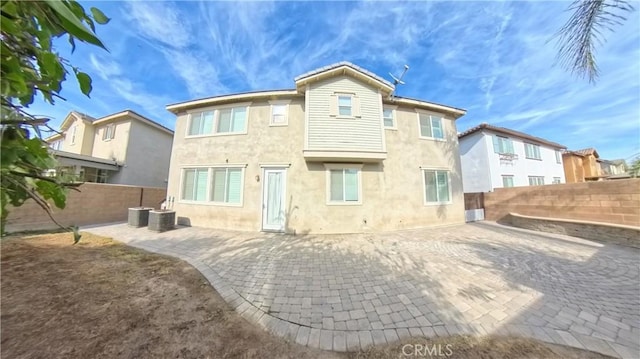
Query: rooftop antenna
398,80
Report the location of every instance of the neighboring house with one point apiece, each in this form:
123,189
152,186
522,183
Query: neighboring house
614,169
582,165
497,157
122,148
337,154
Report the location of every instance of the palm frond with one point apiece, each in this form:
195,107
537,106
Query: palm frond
578,38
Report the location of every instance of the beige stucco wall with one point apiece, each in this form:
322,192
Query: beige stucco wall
392,191
115,148
83,142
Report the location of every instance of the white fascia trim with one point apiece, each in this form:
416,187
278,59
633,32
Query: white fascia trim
213,101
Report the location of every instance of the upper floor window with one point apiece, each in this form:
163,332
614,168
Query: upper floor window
536,180
502,145
74,129
431,126
109,132
227,120
343,184
55,145
344,105
436,186
279,113
558,157
388,117
532,151
507,181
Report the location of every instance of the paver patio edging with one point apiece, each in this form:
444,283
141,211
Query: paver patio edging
349,340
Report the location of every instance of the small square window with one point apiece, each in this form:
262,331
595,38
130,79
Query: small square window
279,114
109,132
431,126
507,181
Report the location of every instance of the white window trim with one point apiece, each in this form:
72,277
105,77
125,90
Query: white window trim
558,155
393,116
210,168
526,155
341,166
424,186
442,117
286,113
106,130
216,114
513,182
530,177
344,94
74,131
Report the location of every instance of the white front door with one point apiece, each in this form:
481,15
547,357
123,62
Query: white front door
274,199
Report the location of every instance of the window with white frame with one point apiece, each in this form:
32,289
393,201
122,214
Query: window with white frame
226,120
502,145
536,180
55,145
557,180
226,185
215,185
279,114
108,132
345,105
436,186
558,157
532,151
73,134
431,126
194,184
388,117
507,181
344,184
201,123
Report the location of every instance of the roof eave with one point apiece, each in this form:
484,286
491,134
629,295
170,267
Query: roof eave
343,70
210,101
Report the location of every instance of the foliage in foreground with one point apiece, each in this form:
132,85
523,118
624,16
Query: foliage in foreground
30,66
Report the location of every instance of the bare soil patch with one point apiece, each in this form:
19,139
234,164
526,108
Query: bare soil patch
102,299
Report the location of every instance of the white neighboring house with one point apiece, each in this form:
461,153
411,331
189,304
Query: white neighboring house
121,148
497,157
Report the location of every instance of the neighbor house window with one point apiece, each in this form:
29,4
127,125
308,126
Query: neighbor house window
73,134
558,157
344,105
388,117
227,120
344,185
502,145
536,180
201,123
532,151
431,126
436,186
507,181
55,145
557,180
194,184
109,132
227,185
279,114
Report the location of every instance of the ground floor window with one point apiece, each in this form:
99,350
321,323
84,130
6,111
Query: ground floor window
343,184
436,186
221,185
507,181
557,180
536,180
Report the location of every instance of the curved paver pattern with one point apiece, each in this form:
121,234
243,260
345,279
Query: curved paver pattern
344,292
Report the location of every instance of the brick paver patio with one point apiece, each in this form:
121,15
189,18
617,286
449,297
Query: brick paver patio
344,292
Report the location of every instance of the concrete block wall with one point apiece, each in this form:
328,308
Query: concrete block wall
95,203
616,202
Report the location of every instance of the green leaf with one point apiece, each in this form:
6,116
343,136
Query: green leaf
85,82
72,24
99,16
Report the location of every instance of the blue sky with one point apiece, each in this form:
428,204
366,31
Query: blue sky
494,59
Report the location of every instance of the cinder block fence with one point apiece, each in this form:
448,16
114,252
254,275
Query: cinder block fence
96,203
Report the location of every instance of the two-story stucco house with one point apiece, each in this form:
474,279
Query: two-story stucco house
336,154
122,148
497,157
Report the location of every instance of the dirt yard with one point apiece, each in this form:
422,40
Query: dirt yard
102,299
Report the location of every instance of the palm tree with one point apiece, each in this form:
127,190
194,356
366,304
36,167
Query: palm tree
584,30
